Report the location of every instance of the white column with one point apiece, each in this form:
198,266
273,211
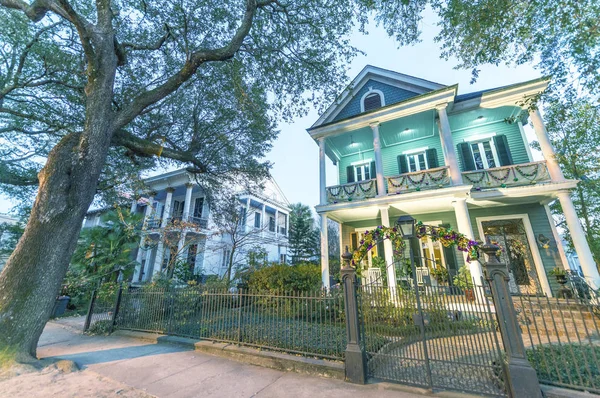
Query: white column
324,252
524,138
187,205
448,146
463,220
139,257
263,221
378,161
546,146
389,251
287,224
166,216
276,223
559,246
322,176
342,248
588,265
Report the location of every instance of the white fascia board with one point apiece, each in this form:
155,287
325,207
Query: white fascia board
479,137
548,188
411,106
416,150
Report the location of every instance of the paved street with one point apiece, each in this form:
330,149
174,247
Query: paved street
164,370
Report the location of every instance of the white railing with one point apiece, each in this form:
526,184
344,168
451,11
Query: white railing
419,180
506,176
354,191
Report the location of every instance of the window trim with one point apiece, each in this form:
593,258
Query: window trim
479,142
414,156
371,91
257,217
361,164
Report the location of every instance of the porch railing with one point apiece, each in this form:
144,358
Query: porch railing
419,180
354,191
506,176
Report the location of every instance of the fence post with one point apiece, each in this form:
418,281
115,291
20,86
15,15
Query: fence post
240,287
88,318
170,308
522,379
356,359
113,321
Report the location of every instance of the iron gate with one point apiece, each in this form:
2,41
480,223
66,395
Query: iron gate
441,337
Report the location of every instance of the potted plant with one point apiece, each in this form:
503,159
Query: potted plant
560,274
464,281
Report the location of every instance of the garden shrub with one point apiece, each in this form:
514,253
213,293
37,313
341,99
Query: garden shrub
305,277
566,364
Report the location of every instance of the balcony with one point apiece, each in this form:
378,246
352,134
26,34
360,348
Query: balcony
354,191
193,223
419,180
507,176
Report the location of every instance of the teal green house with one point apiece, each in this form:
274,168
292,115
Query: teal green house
408,146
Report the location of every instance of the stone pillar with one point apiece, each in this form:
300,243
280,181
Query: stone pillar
322,175
324,252
588,265
160,249
355,358
448,146
140,252
389,252
463,220
188,202
378,161
522,379
546,146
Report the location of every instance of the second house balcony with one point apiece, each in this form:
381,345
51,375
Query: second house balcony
154,225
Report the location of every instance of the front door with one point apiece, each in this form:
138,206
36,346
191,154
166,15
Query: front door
511,236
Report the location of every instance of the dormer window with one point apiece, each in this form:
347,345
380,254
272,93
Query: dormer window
373,99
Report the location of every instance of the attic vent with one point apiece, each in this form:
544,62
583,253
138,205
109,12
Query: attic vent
372,101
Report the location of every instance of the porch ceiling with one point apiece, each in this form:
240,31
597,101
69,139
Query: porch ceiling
481,116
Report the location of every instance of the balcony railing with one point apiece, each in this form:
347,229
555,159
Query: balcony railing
354,191
507,176
198,222
419,180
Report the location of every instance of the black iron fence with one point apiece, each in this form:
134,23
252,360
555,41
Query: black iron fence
310,324
102,311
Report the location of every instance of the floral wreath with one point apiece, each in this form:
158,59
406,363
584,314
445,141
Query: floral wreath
446,236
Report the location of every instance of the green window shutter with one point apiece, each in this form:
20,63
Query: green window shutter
464,150
373,170
402,166
432,159
350,174
503,149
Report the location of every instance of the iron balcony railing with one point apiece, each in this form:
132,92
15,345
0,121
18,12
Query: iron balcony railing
419,180
192,222
354,191
507,176
199,222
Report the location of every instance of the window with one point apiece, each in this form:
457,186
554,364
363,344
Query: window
484,155
362,172
272,224
417,161
373,99
178,208
282,258
242,216
198,205
226,254
256,219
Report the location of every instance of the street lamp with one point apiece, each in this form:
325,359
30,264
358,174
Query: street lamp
407,226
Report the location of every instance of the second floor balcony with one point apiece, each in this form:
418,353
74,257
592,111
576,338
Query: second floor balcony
177,222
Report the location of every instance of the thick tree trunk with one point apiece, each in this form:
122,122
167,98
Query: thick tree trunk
34,272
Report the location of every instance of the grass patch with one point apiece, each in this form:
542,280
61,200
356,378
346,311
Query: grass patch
570,364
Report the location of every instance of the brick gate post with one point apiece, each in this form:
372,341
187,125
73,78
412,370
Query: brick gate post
522,379
356,359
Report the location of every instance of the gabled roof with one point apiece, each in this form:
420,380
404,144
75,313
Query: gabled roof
372,73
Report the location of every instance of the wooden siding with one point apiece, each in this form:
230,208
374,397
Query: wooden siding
389,155
391,95
367,156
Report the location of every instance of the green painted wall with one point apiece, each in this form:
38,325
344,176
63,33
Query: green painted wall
389,155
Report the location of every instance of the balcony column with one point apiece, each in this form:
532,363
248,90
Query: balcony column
187,205
448,146
140,252
588,265
461,211
388,251
322,175
546,146
378,161
160,249
324,252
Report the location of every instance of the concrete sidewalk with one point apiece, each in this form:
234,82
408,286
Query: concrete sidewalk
166,370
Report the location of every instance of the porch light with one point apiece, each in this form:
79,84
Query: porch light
406,130
480,117
407,226
352,143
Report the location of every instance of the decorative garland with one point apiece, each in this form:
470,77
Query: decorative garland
337,190
531,175
442,174
395,184
415,182
499,179
369,184
446,236
353,186
472,180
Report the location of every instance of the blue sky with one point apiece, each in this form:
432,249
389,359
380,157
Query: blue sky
295,154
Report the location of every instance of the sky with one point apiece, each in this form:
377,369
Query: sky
296,156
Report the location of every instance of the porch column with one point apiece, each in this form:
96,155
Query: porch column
389,251
378,162
448,146
546,146
559,246
588,265
322,180
140,252
160,249
324,252
188,201
463,220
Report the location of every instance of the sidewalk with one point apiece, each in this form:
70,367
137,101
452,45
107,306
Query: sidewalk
126,367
